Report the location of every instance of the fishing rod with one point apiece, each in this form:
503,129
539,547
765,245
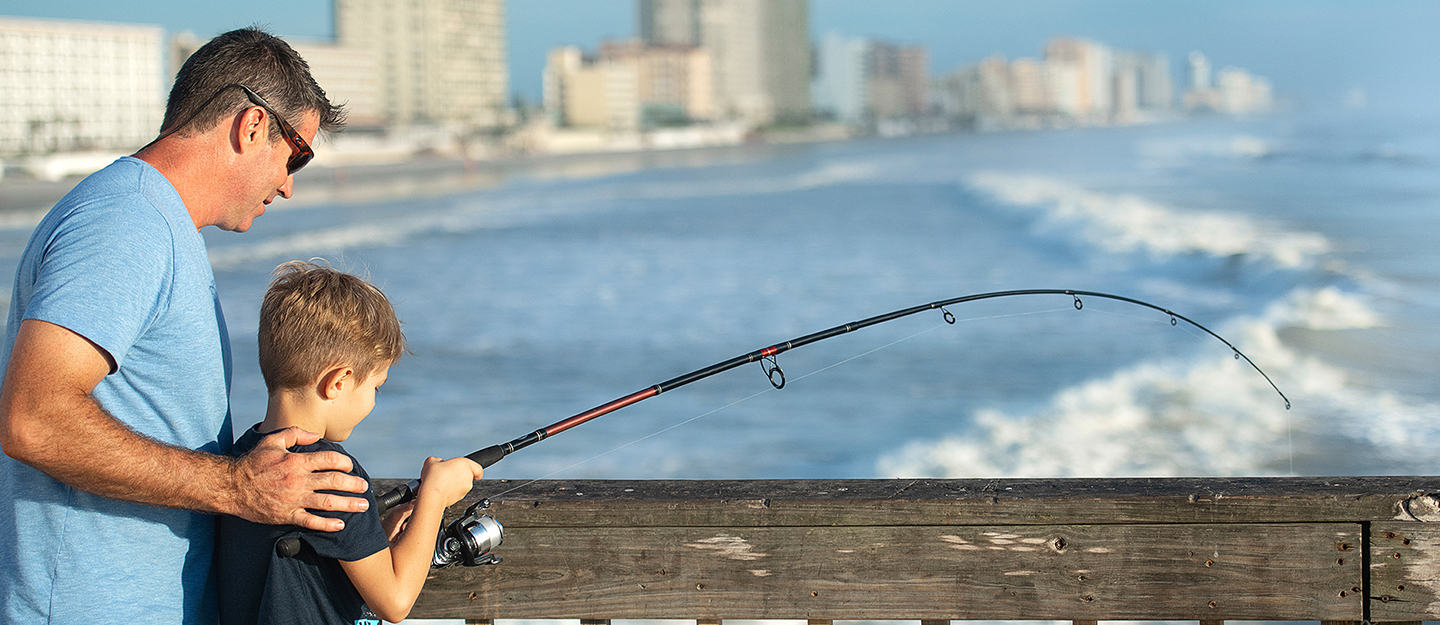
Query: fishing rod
470,538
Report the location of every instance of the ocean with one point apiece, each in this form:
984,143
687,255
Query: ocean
536,291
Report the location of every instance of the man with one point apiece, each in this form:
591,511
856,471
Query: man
114,410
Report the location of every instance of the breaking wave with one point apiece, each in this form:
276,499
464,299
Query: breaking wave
1211,416
1129,223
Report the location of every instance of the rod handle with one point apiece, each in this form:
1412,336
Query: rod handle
396,496
488,456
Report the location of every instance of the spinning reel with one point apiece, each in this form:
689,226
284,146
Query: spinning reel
469,539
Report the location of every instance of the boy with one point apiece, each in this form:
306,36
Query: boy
327,340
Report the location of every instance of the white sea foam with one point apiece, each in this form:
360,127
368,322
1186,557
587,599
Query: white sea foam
1210,416
1129,223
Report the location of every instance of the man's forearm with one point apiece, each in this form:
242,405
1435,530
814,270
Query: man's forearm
114,461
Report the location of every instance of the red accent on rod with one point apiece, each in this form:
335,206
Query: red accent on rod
770,351
600,410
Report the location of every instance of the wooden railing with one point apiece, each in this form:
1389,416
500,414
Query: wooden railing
1083,550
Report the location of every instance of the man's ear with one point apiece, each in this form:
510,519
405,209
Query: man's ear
252,128
336,380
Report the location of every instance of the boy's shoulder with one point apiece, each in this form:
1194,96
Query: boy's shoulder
253,436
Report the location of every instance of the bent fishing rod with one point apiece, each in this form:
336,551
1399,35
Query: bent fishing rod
766,357
471,539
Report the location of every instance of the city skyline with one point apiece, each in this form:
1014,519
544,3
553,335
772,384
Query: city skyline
1316,52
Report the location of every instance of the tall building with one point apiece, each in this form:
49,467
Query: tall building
68,85
759,51
899,81
1092,68
841,85
1142,84
439,61
669,22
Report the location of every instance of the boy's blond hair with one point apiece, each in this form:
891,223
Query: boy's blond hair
314,318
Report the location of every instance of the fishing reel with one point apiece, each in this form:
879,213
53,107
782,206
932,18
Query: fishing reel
469,539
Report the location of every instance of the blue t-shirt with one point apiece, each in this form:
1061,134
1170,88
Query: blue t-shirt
257,586
120,262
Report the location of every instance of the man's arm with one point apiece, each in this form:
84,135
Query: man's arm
49,421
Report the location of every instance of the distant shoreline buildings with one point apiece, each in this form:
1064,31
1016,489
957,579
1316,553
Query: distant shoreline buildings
431,75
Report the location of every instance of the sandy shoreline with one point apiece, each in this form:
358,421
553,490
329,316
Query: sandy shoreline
27,199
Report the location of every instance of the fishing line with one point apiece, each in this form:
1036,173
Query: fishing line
768,390
767,358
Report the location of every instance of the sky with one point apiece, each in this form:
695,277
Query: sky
1314,51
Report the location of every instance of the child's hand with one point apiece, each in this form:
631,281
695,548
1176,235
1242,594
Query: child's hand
449,480
395,520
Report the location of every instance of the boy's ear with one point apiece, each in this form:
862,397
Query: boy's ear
335,380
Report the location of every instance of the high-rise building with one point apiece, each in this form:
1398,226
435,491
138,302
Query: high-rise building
669,22
759,51
439,61
1142,84
69,85
841,85
1092,65
899,81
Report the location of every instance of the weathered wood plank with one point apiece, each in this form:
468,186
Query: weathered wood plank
1086,572
802,503
1404,571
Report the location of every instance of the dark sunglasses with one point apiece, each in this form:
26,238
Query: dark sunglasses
303,152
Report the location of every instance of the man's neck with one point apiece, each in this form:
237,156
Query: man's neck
190,164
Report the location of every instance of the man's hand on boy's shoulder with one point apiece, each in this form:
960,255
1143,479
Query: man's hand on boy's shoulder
274,486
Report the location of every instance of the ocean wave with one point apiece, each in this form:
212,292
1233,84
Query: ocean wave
1129,223
1210,416
1182,149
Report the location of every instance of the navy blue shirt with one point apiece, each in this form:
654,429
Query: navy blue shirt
259,586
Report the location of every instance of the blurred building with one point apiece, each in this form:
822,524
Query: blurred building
629,86
439,61
1076,82
670,22
1083,77
860,80
70,85
841,88
899,80
349,76
1234,91
759,51
673,82
583,92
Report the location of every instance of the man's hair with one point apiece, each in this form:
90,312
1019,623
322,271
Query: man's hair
314,318
258,60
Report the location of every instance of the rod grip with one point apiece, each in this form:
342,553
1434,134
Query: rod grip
396,496
488,456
